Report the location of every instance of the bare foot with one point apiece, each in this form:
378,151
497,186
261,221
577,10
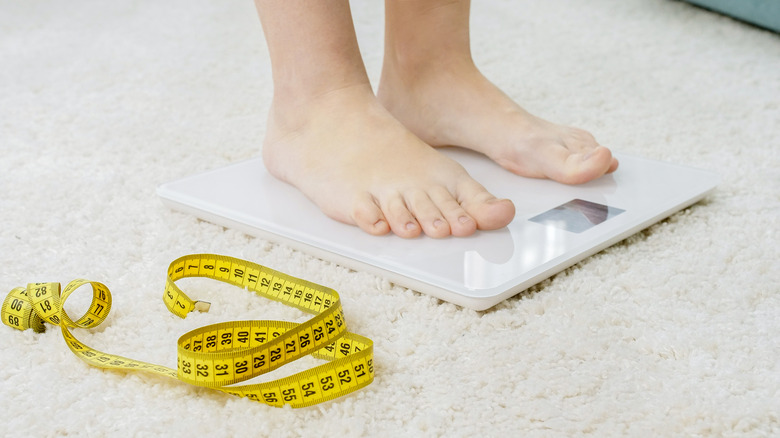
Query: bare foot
347,154
455,105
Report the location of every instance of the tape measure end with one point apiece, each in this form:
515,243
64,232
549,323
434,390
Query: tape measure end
202,306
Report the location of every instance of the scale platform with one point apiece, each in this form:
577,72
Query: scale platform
555,225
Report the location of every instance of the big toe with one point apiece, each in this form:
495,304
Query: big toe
582,167
489,212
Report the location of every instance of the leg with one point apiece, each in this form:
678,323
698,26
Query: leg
330,137
430,83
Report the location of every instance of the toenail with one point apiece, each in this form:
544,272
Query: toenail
438,223
464,219
411,225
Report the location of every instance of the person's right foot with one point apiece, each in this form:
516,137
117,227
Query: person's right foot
361,166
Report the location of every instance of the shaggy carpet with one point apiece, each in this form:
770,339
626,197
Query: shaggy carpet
673,332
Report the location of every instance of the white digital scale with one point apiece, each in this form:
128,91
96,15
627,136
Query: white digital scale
555,225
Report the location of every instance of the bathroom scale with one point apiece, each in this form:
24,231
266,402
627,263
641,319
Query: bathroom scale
555,225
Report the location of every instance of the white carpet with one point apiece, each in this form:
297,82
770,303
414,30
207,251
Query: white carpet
673,332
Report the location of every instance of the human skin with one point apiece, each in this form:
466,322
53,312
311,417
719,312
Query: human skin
371,160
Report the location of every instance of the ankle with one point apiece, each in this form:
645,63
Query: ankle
292,96
295,112
412,69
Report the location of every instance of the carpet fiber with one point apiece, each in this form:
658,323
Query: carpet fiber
673,332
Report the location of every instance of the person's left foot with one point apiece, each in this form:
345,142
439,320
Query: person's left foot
457,106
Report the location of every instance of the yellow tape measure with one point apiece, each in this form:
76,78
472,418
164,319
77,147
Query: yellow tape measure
219,356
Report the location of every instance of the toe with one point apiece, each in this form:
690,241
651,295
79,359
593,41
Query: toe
579,140
400,219
614,166
367,215
578,168
458,220
592,165
488,212
427,214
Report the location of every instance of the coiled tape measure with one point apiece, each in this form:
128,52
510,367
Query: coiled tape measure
219,356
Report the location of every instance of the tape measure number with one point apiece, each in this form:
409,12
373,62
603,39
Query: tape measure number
221,356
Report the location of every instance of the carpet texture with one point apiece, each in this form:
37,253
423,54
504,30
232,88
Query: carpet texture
673,332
